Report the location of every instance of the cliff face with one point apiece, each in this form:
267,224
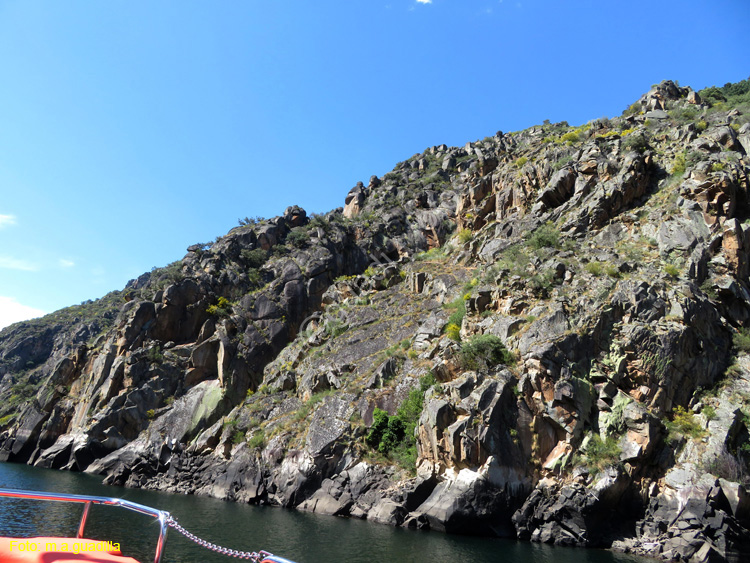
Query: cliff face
540,334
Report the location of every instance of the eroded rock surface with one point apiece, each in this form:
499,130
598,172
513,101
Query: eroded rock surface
538,335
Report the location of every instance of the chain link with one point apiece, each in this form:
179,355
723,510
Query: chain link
255,557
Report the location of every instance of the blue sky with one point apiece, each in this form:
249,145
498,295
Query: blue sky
130,130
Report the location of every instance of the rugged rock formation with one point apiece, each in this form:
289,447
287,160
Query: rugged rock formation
539,335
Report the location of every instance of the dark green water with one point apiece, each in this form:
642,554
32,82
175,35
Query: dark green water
305,538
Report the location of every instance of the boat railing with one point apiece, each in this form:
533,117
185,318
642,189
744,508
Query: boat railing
161,515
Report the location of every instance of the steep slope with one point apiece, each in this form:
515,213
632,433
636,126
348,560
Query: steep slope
540,334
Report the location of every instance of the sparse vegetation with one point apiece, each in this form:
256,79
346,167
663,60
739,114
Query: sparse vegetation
257,440
298,237
726,466
464,236
254,258
546,236
678,165
222,308
250,221
458,306
154,355
335,327
709,412
595,268
515,259
636,142
453,331
394,435
602,453
684,422
671,270
429,255
603,314
483,351
741,340
612,271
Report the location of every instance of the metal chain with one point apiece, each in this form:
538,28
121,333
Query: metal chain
252,556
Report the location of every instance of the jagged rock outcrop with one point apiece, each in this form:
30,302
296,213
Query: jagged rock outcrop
539,335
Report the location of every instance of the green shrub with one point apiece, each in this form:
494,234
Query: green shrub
376,437
254,278
570,137
540,284
741,340
561,162
515,259
678,164
601,454
335,327
464,236
683,114
432,254
238,436
671,270
693,157
637,143
222,308
252,221
453,331
483,351
709,412
298,237
546,236
394,435
154,355
595,268
683,422
258,440
150,414
459,311
612,271
254,258
632,109
319,221
520,162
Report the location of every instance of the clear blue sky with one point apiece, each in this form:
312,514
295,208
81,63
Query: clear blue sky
131,129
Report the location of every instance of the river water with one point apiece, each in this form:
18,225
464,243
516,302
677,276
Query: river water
304,538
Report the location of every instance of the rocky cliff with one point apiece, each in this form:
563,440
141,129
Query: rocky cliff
540,335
